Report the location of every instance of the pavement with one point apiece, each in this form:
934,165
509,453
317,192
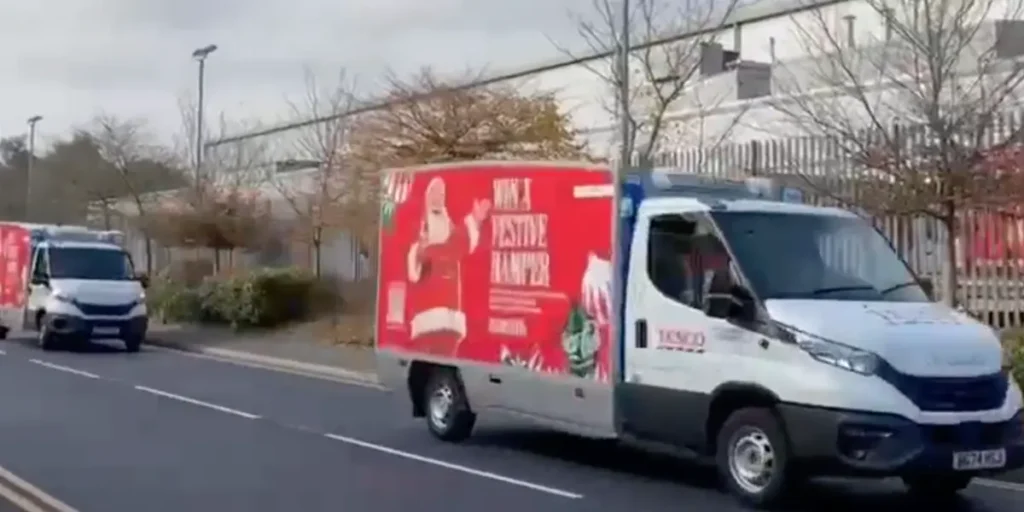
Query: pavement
295,344
161,430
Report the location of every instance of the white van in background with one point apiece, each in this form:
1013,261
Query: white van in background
71,284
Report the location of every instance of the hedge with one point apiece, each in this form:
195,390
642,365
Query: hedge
263,298
1013,342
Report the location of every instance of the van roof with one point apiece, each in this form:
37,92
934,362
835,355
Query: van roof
671,204
61,244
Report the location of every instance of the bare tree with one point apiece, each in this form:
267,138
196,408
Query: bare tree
222,208
244,163
135,165
664,65
433,120
77,181
430,120
314,183
913,106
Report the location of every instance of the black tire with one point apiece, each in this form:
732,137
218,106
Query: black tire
133,344
761,430
939,487
47,340
4,332
452,422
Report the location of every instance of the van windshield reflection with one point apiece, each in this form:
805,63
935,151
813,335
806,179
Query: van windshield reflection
90,263
814,256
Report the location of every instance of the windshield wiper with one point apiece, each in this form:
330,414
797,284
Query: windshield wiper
898,286
841,289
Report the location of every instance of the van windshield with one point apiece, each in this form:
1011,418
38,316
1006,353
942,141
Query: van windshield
811,256
90,263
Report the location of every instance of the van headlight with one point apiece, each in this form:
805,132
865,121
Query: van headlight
837,354
60,297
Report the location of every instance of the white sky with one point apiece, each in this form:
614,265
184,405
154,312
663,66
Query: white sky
69,59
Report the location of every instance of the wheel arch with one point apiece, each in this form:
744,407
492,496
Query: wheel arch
729,397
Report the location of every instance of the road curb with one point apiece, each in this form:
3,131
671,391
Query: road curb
28,497
332,372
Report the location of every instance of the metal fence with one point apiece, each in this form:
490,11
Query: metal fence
988,245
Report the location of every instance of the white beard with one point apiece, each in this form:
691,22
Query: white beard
438,227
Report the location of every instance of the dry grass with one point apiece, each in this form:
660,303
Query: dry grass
345,329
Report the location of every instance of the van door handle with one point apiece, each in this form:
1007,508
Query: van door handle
641,333
493,379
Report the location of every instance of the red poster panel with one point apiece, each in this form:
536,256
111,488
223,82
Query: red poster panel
499,263
14,255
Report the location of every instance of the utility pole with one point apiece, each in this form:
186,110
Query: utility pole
31,161
625,119
200,55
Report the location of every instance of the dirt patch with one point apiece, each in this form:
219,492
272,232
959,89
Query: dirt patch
354,329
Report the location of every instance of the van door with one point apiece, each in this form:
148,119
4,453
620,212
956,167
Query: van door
667,377
38,286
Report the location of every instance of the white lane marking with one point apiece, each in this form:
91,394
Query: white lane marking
457,467
3,352
65,369
999,484
35,492
200,403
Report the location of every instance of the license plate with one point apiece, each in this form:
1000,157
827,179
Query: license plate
979,459
106,331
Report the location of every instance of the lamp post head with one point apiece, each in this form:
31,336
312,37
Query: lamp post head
201,53
35,119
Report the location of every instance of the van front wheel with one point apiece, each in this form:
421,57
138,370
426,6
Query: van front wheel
132,344
940,486
753,457
48,341
449,417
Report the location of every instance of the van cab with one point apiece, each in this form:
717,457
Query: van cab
83,286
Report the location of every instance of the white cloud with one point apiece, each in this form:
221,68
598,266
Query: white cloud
68,59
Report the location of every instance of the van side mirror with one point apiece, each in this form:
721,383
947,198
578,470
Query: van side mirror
928,286
728,300
143,279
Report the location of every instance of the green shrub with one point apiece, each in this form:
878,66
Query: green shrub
180,304
263,298
1013,343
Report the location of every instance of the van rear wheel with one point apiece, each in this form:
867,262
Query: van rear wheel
753,457
448,416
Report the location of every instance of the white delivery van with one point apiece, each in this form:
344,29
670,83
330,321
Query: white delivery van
723,320
70,284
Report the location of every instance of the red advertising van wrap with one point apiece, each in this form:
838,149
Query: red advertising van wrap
503,263
15,251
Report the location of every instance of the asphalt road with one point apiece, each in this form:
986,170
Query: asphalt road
104,431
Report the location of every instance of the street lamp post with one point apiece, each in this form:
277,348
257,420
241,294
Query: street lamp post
31,160
200,54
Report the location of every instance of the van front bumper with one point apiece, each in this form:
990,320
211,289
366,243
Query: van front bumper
835,442
97,328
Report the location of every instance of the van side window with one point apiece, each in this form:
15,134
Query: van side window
683,253
669,254
41,264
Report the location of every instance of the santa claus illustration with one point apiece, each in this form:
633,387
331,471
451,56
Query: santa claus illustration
438,321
